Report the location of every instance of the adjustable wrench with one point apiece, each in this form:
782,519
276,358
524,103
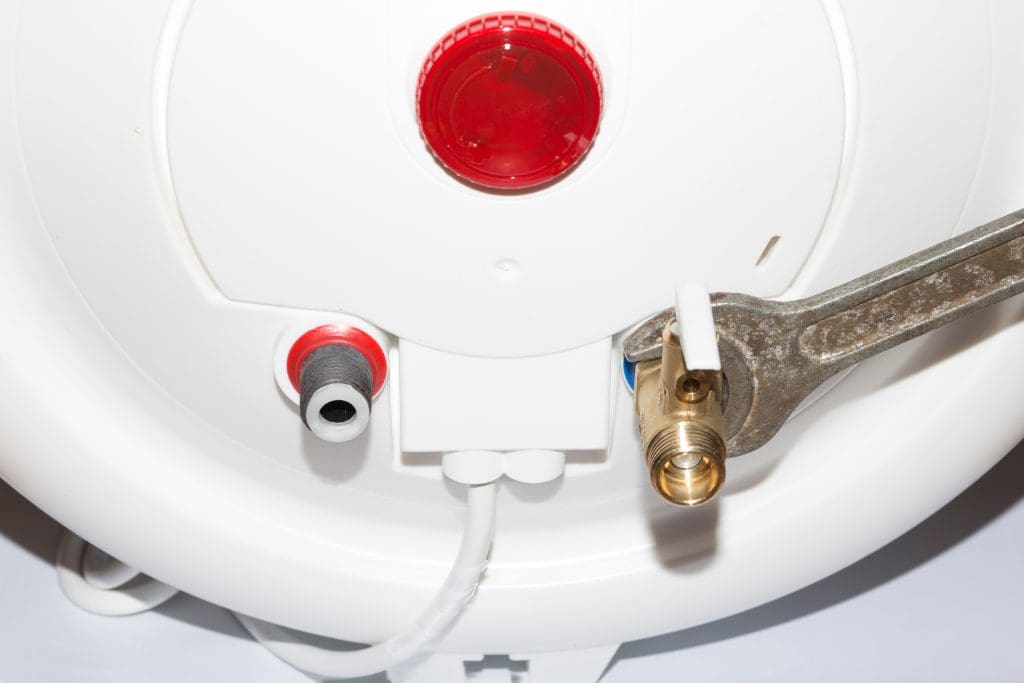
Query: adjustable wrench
775,353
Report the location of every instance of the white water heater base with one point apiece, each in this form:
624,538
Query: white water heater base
188,186
877,619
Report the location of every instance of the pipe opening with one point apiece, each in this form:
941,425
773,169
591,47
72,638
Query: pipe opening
337,412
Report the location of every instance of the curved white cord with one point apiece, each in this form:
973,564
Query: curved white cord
104,597
103,571
103,585
456,591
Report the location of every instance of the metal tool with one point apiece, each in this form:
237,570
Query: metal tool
775,353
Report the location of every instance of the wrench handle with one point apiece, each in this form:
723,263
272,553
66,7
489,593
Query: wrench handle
915,295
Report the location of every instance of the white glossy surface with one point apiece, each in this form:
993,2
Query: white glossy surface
877,620
300,186
180,433
560,401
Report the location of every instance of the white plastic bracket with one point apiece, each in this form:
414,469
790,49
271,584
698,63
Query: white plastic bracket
570,666
431,668
474,468
696,327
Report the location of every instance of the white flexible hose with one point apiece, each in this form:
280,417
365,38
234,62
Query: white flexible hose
107,587
104,571
126,594
456,591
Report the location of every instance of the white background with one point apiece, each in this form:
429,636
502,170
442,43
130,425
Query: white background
941,603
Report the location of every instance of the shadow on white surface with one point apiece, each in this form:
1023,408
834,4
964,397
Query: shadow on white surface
979,506
999,490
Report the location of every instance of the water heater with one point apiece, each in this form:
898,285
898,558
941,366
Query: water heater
458,329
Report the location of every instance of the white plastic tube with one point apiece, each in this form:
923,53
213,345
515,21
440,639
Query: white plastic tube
455,593
130,594
103,571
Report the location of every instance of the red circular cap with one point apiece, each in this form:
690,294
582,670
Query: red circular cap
509,101
338,334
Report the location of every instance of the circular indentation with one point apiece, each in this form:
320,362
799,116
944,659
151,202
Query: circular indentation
690,385
507,269
509,101
692,388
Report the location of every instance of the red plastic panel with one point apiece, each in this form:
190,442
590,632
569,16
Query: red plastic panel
509,101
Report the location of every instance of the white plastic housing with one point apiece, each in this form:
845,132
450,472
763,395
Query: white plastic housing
455,403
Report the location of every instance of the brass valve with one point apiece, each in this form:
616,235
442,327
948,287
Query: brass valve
681,425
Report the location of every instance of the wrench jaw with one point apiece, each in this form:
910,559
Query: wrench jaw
738,389
766,373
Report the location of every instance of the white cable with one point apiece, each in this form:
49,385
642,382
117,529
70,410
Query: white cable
103,585
104,571
455,593
132,596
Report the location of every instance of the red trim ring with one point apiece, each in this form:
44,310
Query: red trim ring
338,334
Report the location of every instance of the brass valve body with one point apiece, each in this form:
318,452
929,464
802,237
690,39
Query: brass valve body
681,425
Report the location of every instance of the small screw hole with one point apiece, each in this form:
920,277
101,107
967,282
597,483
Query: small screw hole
691,389
691,385
337,412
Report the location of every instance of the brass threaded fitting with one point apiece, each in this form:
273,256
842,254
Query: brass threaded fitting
687,463
681,426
